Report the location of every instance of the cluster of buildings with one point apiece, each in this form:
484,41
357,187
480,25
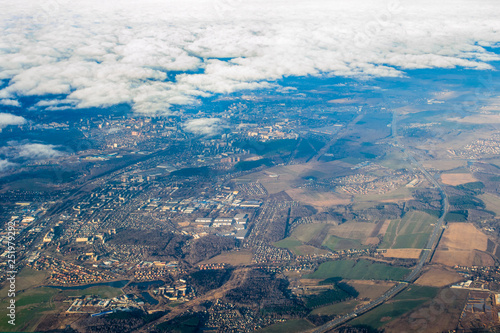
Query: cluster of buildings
264,253
177,291
364,184
156,270
481,311
64,273
479,148
97,306
227,317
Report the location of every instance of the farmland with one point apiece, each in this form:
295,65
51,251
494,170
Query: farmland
337,243
438,277
360,270
492,202
457,178
398,306
412,231
463,244
336,309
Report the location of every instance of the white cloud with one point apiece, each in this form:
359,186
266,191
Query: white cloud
32,151
205,126
6,165
7,119
101,53
38,151
10,102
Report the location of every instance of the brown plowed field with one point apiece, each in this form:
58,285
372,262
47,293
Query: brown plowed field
463,244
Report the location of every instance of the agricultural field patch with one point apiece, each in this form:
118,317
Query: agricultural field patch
335,243
397,195
318,199
444,164
305,232
457,178
463,244
353,230
358,270
492,202
403,253
370,289
336,309
412,231
408,300
438,277
441,314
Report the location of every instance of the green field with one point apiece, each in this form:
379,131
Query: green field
336,309
30,306
408,300
306,232
33,302
417,292
412,231
301,235
361,270
288,243
326,297
290,326
335,243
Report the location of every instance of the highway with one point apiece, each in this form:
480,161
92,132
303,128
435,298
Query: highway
424,257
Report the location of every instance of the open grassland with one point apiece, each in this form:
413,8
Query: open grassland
457,178
463,244
335,243
412,231
290,326
408,300
492,202
360,270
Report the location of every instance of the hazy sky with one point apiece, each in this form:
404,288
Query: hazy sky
99,53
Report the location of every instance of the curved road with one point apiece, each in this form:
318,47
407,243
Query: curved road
424,257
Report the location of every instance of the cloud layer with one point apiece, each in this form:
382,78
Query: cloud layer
30,151
205,126
157,53
7,119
